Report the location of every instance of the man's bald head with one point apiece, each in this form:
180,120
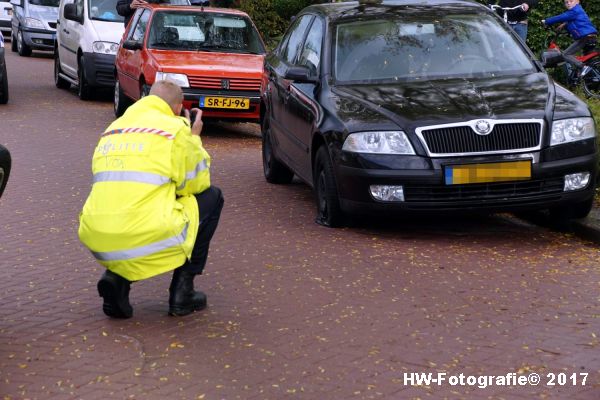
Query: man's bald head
169,92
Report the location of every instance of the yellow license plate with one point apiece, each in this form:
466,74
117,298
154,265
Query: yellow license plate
225,102
484,173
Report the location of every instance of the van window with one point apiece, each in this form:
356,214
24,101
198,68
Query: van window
45,3
104,10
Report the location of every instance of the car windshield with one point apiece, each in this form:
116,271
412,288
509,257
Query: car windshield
193,30
45,3
417,46
104,10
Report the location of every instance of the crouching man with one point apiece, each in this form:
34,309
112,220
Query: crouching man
151,208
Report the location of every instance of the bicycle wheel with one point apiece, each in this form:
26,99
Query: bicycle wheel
591,81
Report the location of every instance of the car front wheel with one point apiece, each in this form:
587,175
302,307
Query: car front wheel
565,213
329,212
274,170
121,102
22,48
4,86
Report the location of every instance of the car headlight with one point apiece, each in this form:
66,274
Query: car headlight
105,47
34,23
572,130
180,79
381,142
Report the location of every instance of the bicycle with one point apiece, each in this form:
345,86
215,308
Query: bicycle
495,7
587,76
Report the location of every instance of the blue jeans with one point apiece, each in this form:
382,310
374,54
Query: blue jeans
521,30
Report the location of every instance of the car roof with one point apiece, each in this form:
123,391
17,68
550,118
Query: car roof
170,7
352,9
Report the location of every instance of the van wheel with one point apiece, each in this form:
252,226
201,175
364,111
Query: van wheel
4,87
121,102
22,48
60,83
83,90
13,43
329,212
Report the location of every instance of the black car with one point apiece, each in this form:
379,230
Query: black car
422,105
3,75
5,162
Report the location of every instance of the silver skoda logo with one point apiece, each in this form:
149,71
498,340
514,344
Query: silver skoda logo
225,84
483,127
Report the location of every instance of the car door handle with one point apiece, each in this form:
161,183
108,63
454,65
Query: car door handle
66,31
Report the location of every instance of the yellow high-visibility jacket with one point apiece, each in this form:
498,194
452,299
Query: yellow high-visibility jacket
141,218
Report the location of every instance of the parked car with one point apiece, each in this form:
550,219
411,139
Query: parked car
422,106
6,11
33,25
4,167
89,32
215,55
3,75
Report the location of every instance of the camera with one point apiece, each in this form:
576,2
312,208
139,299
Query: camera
193,114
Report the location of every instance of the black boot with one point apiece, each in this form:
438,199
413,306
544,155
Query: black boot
115,291
183,299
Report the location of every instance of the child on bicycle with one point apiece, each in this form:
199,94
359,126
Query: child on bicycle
580,28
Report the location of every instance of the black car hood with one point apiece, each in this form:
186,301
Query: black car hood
420,103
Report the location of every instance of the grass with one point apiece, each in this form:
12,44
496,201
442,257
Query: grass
594,105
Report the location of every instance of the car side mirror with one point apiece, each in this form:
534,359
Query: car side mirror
70,13
300,74
132,45
551,58
4,167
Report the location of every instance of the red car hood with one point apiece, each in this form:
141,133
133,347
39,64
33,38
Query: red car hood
209,64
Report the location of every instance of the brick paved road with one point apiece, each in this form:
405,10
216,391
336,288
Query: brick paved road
296,311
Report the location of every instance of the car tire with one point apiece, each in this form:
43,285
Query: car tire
120,101
13,43
83,88
329,212
4,86
568,212
22,48
60,83
275,172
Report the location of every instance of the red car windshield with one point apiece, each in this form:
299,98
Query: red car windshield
193,31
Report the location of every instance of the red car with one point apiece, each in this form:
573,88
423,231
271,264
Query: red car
216,55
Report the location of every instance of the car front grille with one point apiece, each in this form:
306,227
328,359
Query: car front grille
462,139
483,191
203,82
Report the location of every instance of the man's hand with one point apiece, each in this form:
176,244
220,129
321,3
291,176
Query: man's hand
197,123
137,3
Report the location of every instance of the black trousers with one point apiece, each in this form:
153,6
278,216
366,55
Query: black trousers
210,204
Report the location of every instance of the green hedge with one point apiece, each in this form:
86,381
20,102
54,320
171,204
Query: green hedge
273,16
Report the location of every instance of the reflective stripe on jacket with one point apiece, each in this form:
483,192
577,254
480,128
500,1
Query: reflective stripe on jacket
141,218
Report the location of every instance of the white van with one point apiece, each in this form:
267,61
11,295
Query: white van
88,36
6,10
